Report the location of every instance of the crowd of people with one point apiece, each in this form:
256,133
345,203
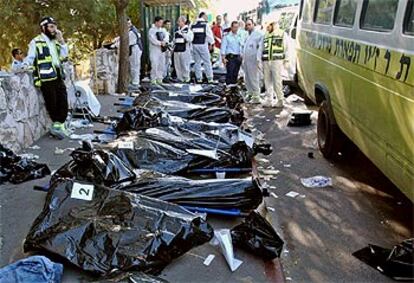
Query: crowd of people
243,49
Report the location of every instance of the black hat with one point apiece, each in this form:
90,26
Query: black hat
47,20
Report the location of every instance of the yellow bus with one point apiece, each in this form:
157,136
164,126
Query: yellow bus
355,60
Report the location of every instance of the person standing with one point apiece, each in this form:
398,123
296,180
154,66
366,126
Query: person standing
168,54
252,55
18,57
273,55
231,54
218,35
202,43
46,54
135,52
182,50
158,38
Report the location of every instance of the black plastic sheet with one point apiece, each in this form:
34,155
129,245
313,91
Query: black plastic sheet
192,111
16,169
207,99
114,231
257,236
244,194
137,119
157,150
97,166
397,263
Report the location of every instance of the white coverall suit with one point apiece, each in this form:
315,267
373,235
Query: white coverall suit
134,57
201,53
157,57
252,57
273,81
182,60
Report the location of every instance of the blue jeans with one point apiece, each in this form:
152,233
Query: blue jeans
34,269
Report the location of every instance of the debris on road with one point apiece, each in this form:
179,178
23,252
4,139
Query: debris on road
19,168
223,238
316,182
292,194
257,236
209,259
396,263
300,118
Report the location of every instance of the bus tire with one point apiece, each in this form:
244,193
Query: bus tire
330,137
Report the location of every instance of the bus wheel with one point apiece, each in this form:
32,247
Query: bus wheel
330,137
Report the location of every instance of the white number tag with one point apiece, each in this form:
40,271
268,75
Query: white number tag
82,191
126,145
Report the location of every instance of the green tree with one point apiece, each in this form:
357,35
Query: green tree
84,23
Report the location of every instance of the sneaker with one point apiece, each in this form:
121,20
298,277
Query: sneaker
199,81
211,81
159,81
154,82
56,132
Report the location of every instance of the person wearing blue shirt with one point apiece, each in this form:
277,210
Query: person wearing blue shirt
18,57
231,48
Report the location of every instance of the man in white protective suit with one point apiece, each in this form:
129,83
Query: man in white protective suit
252,55
182,50
158,38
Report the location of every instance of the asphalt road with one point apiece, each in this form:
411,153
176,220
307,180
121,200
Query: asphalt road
321,227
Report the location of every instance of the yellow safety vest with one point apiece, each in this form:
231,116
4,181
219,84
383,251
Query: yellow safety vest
273,46
44,69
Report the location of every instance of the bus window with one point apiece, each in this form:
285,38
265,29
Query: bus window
323,11
409,18
345,13
379,15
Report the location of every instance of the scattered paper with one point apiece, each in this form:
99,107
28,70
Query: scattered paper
29,156
292,194
209,259
35,147
270,172
222,237
274,195
270,208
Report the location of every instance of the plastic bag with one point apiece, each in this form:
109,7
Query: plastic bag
244,194
132,277
97,166
102,167
397,263
16,169
207,99
192,111
171,153
107,231
257,236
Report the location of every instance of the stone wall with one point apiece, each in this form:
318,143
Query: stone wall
104,71
23,116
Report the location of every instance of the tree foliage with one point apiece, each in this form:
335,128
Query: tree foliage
84,23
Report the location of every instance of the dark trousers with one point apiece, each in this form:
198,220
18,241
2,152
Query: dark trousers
56,99
233,68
